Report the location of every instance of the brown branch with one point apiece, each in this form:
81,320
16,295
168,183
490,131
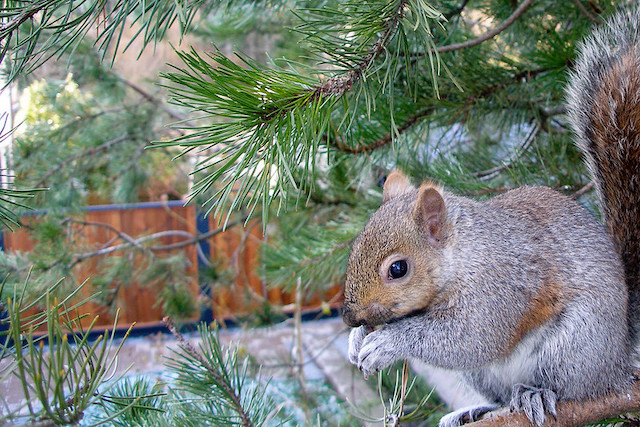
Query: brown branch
386,139
584,190
457,11
489,34
199,237
338,85
152,99
573,413
587,13
191,239
124,236
240,248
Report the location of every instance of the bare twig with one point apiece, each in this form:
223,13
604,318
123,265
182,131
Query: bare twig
311,358
522,147
124,236
583,190
199,237
149,97
387,138
88,152
587,13
191,239
489,34
297,332
240,248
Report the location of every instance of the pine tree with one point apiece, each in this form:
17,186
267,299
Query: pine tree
466,93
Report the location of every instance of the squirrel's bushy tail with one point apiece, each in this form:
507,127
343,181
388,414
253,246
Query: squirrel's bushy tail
603,101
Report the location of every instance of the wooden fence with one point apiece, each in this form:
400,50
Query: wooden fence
237,249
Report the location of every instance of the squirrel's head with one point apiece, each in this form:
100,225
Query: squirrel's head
393,261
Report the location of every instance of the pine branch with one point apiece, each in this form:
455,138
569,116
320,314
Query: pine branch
61,381
26,14
62,24
276,119
414,119
523,146
221,381
338,85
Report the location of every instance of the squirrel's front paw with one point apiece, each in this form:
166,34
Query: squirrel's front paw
379,350
466,415
533,402
355,343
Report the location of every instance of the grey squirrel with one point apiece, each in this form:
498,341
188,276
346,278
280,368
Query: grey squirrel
526,294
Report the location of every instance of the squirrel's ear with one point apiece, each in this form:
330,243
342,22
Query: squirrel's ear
396,185
430,212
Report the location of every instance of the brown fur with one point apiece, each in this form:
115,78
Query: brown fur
395,185
615,145
544,306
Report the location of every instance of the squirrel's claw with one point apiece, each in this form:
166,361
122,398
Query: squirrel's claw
533,402
379,349
466,415
355,343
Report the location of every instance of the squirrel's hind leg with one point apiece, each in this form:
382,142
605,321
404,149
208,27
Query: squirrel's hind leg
533,402
466,415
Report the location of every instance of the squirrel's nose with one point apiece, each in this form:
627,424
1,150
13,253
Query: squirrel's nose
349,317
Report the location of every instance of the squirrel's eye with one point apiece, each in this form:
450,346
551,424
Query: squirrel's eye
398,269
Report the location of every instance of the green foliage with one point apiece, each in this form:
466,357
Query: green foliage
10,202
135,402
88,146
311,247
62,373
11,199
34,32
405,397
96,144
214,388
419,400
275,119
273,113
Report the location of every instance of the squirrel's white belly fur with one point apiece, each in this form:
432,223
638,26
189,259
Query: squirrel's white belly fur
517,368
